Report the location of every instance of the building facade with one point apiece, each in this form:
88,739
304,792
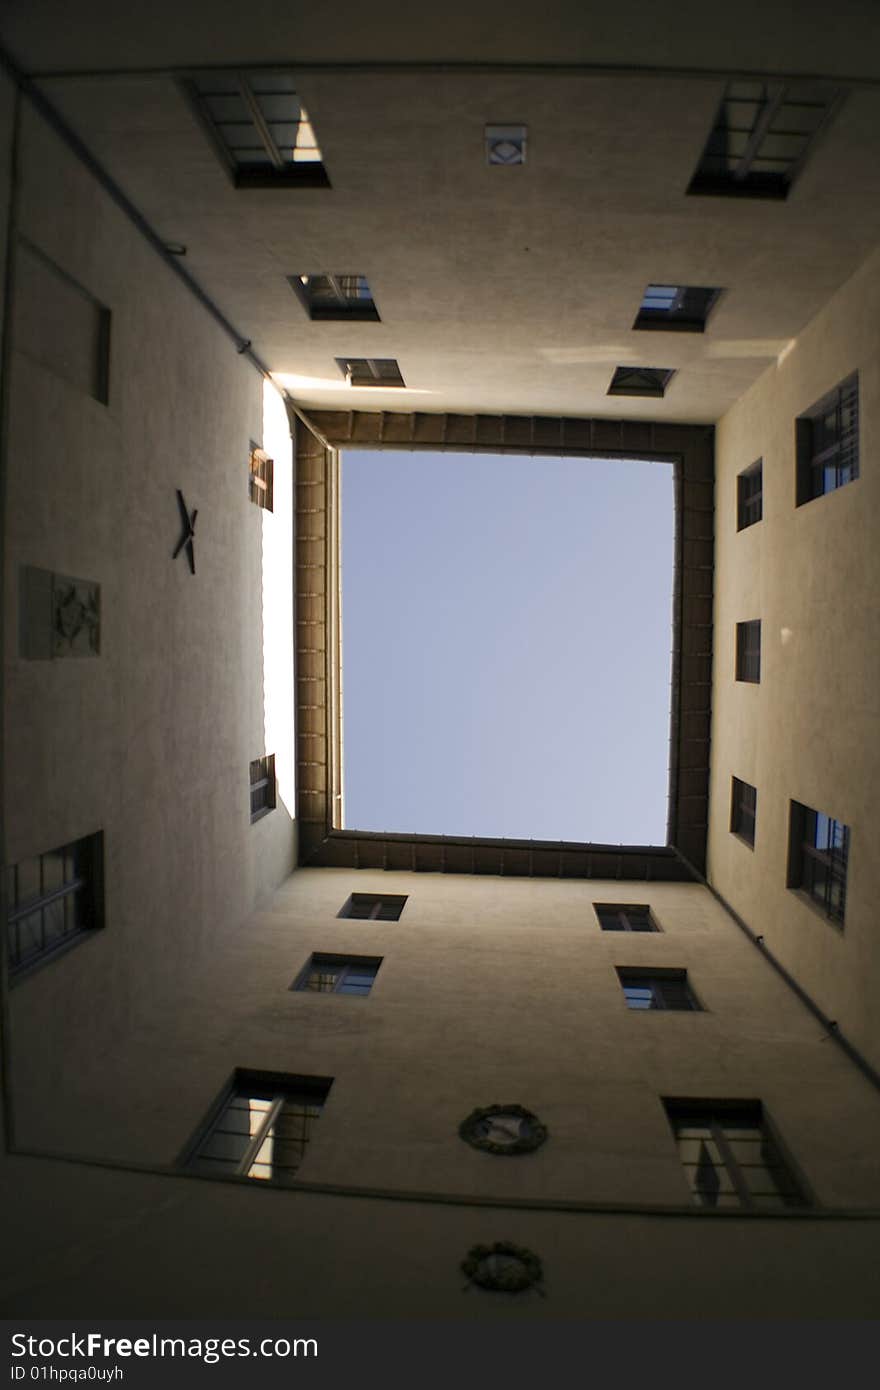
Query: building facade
203,966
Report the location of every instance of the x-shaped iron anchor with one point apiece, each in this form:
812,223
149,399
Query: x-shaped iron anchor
189,526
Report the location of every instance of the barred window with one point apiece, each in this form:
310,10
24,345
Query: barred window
827,440
260,1128
749,496
748,651
625,917
262,786
743,808
817,858
374,907
332,974
55,899
656,989
730,1157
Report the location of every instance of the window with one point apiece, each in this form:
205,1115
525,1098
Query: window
55,899
681,308
743,804
369,907
827,443
260,1128
262,786
748,651
749,495
335,296
326,974
259,127
370,371
729,1156
818,850
640,381
261,478
761,136
625,917
656,989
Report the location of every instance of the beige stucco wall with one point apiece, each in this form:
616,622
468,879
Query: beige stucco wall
490,991
151,740
809,731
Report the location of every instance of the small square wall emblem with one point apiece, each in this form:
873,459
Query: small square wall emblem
506,144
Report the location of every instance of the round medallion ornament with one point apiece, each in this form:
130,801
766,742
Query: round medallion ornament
502,1267
503,1129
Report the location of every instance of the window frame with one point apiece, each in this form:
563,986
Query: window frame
748,652
375,914
745,181
89,881
812,463
622,911
261,479
653,978
805,856
688,313
245,1084
342,308
640,381
739,1114
279,173
347,963
265,766
743,810
747,501
367,371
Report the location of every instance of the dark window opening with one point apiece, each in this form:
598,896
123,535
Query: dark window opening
730,1157
640,381
748,651
370,371
625,917
676,308
761,137
827,443
262,786
656,989
743,808
259,127
261,479
261,1128
330,974
335,296
371,907
818,853
55,899
749,496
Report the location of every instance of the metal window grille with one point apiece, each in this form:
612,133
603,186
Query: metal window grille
261,479
54,899
261,1129
259,126
656,989
372,907
818,858
262,786
335,296
682,308
749,496
329,974
743,807
761,137
625,917
640,381
827,439
370,371
730,1158
748,651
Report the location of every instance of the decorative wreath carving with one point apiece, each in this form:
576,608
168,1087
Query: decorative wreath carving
502,1267
503,1129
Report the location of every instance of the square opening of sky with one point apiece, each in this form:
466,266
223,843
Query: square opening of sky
506,641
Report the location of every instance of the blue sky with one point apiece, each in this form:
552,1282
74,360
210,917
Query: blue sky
507,628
